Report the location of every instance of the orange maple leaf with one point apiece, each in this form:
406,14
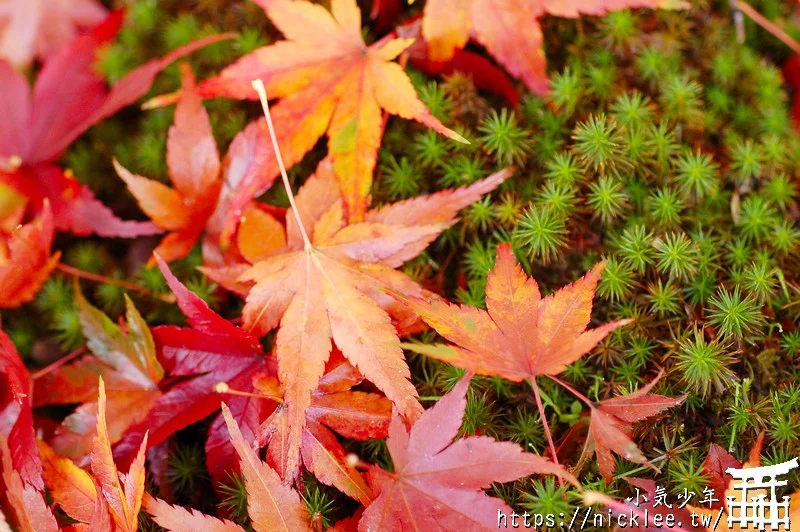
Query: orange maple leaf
70,486
510,30
522,335
335,407
194,168
25,500
25,259
272,506
105,499
611,421
328,287
327,80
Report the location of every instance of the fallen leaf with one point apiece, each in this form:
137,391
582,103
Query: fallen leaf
40,124
271,505
25,259
716,462
122,492
438,483
356,415
194,169
327,80
612,420
70,486
127,362
212,351
38,29
16,415
522,335
26,500
328,287
510,30
178,519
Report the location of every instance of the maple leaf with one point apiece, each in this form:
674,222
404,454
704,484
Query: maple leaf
272,506
26,500
70,486
128,364
25,259
194,169
327,287
178,519
105,499
717,515
212,351
122,492
327,80
484,74
716,462
354,414
522,335
611,420
37,29
510,30
437,483
40,124
16,415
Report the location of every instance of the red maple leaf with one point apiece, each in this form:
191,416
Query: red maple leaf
16,414
714,466
196,359
612,420
437,483
356,415
39,125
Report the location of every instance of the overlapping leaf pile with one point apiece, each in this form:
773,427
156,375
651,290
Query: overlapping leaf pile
334,325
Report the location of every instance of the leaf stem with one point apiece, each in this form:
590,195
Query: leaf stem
545,424
133,287
223,388
573,391
770,27
258,85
